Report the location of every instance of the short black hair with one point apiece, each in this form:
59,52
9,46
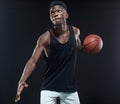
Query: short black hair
61,3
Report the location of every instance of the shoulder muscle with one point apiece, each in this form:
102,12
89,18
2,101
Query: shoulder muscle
76,30
44,39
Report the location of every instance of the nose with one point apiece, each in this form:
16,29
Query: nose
56,14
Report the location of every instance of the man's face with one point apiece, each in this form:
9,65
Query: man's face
58,14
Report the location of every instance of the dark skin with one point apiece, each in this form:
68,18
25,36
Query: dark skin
58,16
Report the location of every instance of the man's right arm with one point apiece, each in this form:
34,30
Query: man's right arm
30,65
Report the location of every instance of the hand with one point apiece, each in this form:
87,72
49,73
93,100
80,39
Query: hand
20,89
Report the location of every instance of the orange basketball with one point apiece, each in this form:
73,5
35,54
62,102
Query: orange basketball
93,43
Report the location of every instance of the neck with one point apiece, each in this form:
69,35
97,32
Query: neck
60,29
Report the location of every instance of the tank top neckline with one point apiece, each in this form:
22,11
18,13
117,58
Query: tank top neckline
60,42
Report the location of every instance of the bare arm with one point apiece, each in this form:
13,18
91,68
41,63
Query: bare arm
30,66
43,41
77,34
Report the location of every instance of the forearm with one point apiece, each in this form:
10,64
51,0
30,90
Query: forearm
29,67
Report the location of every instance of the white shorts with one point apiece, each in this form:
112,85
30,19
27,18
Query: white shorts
49,97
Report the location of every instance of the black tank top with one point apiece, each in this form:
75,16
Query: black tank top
60,65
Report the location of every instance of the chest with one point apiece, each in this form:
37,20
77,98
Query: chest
63,38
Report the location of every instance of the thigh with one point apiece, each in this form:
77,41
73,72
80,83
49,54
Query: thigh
69,98
48,97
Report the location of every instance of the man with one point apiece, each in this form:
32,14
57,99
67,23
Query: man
59,45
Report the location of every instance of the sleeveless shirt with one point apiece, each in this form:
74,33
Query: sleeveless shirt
59,74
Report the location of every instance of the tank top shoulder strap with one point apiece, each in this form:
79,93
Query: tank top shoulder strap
51,34
72,34
71,30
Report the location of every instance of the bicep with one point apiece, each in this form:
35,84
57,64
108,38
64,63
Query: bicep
78,43
77,36
37,52
42,42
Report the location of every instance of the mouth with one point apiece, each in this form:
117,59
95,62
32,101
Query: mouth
57,19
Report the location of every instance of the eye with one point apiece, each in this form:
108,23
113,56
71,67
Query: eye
52,13
59,11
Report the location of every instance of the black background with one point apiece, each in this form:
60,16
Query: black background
21,23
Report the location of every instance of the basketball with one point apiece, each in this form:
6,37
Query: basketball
93,43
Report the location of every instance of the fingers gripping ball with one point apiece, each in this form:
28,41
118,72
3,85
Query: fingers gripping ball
93,43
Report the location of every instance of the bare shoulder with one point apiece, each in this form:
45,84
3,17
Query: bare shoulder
44,39
76,30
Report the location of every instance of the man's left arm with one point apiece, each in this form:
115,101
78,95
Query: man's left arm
77,36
